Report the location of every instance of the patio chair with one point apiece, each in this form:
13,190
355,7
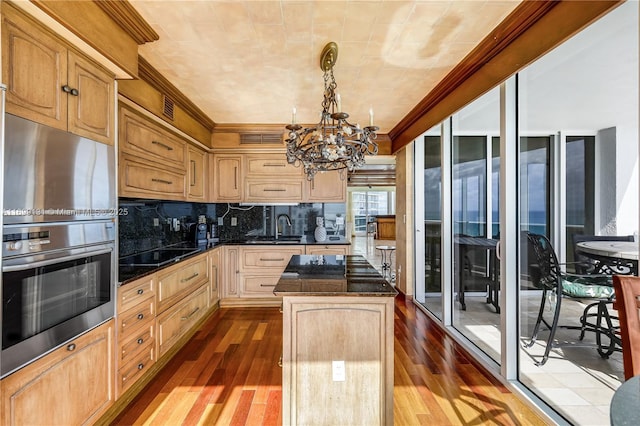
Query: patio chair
627,290
590,265
547,275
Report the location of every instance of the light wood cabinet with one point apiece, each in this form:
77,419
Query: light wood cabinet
231,272
273,189
50,83
139,178
317,329
176,321
226,170
143,138
135,332
270,165
328,249
175,282
70,386
196,171
261,268
328,187
217,270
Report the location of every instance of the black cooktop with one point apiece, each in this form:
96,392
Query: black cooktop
157,257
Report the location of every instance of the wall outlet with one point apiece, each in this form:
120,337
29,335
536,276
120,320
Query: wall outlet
234,221
338,370
156,221
220,221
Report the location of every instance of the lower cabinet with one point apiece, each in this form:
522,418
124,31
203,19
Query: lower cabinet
177,320
70,386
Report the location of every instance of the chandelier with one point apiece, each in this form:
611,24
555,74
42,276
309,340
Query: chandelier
333,143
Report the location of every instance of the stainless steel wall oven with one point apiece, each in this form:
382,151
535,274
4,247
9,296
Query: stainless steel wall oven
56,284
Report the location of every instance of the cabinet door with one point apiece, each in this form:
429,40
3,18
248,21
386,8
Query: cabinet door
227,177
34,68
231,272
91,105
70,386
196,174
215,256
327,187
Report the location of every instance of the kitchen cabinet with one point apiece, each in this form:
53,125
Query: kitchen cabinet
176,321
144,179
231,272
51,83
196,174
142,138
70,386
227,177
215,261
135,352
328,249
269,178
328,187
177,281
261,268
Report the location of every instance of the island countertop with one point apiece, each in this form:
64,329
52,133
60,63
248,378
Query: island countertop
332,275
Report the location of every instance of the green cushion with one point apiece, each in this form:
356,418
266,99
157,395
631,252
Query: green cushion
596,287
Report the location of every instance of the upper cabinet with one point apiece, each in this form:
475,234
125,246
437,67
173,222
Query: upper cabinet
226,172
156,163
50,83
328,187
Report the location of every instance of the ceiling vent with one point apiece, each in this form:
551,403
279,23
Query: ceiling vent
261,139
167,107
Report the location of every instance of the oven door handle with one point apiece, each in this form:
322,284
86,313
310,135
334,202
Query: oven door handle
62,257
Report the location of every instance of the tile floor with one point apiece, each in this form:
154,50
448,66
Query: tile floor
575,380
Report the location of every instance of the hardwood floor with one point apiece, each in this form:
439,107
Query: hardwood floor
228,374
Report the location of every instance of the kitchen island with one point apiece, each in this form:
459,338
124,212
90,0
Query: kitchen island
338,342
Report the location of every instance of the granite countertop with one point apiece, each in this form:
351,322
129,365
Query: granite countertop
332,275
128,272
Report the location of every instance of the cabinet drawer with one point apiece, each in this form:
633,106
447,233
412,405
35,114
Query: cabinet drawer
180,280
135,342
175,322
273,190
143,138
259,285
135,368
271,164
269,257
137,178
131,320
328,249
134,293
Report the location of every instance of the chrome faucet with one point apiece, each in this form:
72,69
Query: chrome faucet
288,219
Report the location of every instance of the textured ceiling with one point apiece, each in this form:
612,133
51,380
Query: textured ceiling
253,61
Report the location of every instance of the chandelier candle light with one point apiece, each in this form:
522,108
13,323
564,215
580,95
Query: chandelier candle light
334,143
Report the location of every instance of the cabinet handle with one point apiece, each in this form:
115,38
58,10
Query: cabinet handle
267,285
271,260
66,88
274,190
184,280
140,316
165,146
190,315
140,291
140,341
140,366
71,347
193,173
74,92
274,165
280,361
168,182
235,177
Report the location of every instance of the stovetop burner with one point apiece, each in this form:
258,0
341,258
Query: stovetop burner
157,257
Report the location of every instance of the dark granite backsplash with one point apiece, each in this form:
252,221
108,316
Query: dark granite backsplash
149,224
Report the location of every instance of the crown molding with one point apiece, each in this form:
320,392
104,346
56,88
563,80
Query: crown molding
150,75
128,18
